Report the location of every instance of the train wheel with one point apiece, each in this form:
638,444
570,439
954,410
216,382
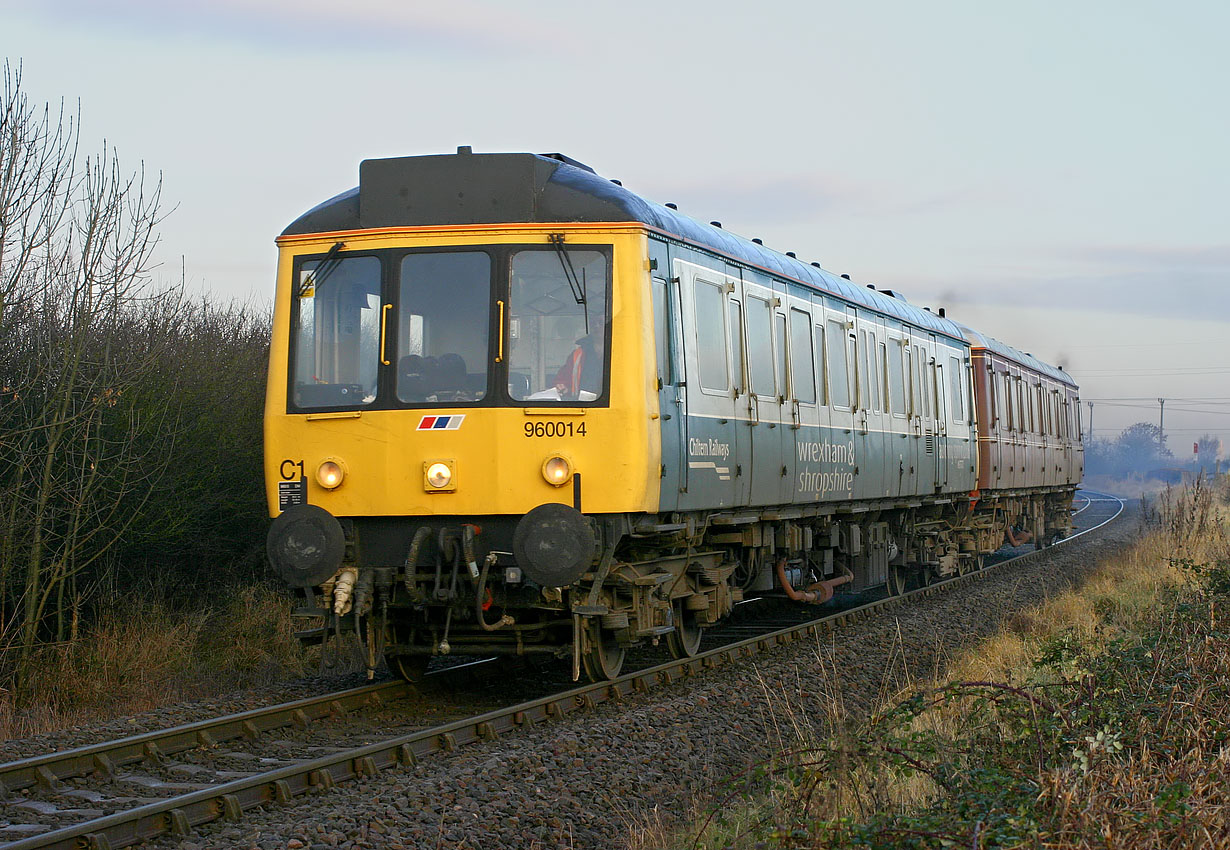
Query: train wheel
684,641
897,579
409,668
605,657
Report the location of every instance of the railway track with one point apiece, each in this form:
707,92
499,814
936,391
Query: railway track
169,781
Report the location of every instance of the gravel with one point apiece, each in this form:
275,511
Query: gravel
598,778
175,715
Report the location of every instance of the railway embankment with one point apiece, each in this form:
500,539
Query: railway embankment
636,772
1094,717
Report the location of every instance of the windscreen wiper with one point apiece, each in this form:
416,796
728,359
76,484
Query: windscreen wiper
325,268
576,284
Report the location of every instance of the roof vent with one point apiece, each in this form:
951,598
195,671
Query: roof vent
669,205
791,254
817,265
757,240
846,276
871,287
567,160
617,182
941,312
716,223
464,150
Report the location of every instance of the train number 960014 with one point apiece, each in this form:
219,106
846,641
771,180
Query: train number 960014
554,429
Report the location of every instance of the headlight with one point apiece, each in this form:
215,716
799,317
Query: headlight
438,475
557,470
330,474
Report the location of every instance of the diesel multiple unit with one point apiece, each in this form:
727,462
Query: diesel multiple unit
515,408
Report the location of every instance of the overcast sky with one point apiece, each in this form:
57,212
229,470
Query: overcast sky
1053,173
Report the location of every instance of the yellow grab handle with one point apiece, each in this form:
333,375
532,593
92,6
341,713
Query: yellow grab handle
384,323
499,355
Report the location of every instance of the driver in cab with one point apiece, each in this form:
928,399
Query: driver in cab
580,378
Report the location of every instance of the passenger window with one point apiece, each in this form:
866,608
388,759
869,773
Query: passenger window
735,312
938,373
821,366
864,395
1009,419
711,332
760,346
957,385
851,366
993,401
911,399
1021,424
838,365
920,395
896,380
779,340
803,377
876,376
882,362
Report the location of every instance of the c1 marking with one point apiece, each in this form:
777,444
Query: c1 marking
292,470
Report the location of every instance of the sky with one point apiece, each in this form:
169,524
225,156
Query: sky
1054,174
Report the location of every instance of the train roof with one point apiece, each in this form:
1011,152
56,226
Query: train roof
977,339
469,188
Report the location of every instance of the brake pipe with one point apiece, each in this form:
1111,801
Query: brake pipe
412,557
505,620
820,592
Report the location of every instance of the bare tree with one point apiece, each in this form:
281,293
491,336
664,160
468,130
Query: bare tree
81,324
1208,452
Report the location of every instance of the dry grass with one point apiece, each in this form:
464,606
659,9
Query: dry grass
149,656
1094,719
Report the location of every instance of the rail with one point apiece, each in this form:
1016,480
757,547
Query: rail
227,801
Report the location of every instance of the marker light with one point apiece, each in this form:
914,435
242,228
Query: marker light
557,470
330,474
438,475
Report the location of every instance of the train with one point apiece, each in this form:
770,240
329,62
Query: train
515,408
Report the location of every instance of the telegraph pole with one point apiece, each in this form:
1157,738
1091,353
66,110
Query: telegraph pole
1161,430
1090,422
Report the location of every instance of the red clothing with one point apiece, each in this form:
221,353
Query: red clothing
569,375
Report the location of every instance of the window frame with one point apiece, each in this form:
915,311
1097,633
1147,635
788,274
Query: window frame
496,394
